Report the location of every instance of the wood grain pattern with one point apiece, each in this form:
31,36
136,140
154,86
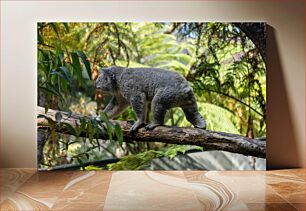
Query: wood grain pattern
26,189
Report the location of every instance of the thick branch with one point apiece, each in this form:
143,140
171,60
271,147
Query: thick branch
209,140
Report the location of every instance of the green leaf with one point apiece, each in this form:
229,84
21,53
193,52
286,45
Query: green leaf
82,127
230,27
109,125
54,27
48,90
40,39
51,122
105,119
171,152
71,129
42,116
46,108
86,63
73,142
57,73
93,168
66,27
135,162
118,132
98,144
81,163
109,131
90,131
66,73
77,66
53,91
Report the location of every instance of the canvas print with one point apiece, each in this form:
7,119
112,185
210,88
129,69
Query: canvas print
151,95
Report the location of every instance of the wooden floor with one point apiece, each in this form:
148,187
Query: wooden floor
26,189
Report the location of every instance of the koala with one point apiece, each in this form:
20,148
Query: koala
139,86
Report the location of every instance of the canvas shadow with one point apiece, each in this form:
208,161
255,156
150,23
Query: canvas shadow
282,144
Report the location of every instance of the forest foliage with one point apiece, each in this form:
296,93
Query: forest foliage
222,64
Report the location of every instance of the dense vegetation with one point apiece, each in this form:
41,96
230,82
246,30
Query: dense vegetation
225,68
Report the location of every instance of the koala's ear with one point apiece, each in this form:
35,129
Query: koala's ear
106,70
103,70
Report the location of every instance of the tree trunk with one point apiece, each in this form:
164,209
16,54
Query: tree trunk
257,33
209,140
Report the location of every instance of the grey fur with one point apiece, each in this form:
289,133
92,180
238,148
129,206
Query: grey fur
139,86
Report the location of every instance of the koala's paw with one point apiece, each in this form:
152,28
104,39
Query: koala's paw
135,127
201,124
151,126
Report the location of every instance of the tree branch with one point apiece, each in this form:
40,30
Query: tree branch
235,98
209,140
